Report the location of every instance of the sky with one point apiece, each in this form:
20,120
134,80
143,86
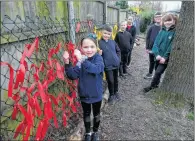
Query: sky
171,5
167,5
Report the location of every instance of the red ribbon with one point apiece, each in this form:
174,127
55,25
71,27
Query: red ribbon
90,23
39,89
20,129
20,76
34,45
37,107
78,26
11,75
42,92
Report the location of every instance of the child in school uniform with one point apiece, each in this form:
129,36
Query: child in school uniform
125,42
132,30
150,38
89,70
111,56
162,48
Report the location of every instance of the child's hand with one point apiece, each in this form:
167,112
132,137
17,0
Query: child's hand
147,51
162,60
78,55
100,52
66,57
158,57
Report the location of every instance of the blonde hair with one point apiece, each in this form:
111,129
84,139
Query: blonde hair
129,22
123,22
130,18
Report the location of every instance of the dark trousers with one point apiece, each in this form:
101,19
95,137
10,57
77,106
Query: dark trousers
123,64
159,70
112,80
129,57
152,62
96,114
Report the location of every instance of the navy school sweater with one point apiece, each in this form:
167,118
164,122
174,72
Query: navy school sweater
132,31
151,35
124,41
111,54
90,75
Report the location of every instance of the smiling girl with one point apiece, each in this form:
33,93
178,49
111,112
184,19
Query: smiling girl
162,48
89,70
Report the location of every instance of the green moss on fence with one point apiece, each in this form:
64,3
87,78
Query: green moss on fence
21,9
61,10
77,6
42,9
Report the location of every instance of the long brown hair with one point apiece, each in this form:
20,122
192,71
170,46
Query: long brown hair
169,17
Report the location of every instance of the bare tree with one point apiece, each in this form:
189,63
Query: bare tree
179,77
157,5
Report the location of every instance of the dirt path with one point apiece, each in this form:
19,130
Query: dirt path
135,117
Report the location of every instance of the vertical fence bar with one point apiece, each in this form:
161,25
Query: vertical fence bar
118,18
127,15
71,21
105,13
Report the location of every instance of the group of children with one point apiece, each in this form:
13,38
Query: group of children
113,57
159,45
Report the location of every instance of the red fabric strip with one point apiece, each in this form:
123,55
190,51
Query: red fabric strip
11,79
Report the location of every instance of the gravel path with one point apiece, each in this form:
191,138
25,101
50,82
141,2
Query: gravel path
136,117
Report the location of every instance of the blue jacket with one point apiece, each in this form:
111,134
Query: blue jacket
90,86
110,53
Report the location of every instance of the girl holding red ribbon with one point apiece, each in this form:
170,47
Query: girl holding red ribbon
89,70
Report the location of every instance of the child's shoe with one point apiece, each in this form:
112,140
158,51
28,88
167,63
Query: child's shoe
117,95
87,137
95,136
111,99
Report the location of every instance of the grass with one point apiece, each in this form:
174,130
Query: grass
190,116
168,131
168,99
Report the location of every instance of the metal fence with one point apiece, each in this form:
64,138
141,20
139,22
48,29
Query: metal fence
15,38
18,36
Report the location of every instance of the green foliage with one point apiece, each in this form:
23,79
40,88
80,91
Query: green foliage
122,4
146,19
168,131
190,115
144,24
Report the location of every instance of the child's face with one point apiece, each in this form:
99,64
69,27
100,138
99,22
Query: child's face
169,23
129,22
89,48
157,19
123,26
106,34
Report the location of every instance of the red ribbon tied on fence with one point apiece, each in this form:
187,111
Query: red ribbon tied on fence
78,27
39,89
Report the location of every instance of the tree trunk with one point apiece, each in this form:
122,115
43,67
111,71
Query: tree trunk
179,77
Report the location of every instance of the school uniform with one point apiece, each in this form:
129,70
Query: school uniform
132,30
150,38
124,41
162,46
111,57
90,87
